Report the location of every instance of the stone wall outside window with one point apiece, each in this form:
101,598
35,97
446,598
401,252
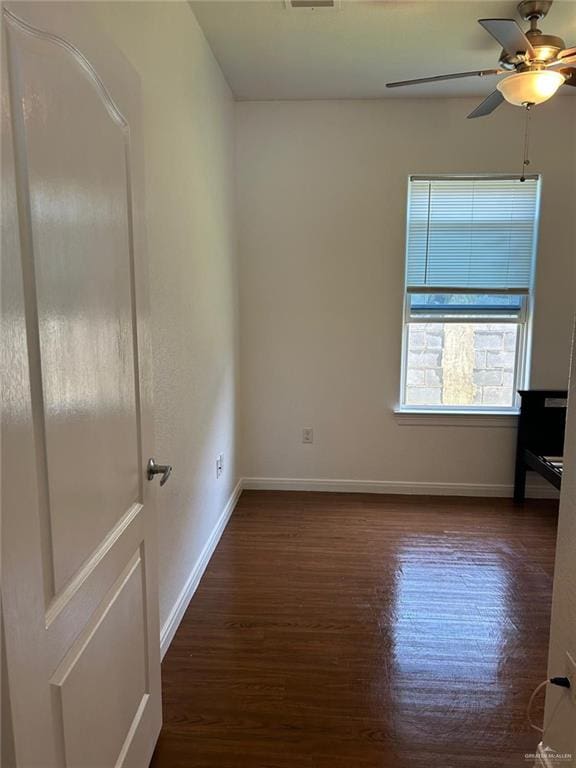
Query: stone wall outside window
461,364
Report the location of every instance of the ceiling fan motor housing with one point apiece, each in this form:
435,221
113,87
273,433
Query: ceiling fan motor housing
547,47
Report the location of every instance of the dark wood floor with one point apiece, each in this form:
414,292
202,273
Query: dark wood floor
352,631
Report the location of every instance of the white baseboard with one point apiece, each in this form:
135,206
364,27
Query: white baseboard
175,616
536,490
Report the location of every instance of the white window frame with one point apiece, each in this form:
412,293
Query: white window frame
523,347
521,320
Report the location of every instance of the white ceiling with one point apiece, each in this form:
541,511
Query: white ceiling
269,52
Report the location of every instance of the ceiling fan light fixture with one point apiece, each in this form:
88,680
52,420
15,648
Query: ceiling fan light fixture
530,87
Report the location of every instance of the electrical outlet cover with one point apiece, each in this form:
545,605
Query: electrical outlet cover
307,435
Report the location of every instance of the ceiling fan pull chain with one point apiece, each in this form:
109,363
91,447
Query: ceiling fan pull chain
525,159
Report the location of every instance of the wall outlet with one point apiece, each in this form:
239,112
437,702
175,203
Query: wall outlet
307,435
571,675
219,465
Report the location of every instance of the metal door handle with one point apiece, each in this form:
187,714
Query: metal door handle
158,469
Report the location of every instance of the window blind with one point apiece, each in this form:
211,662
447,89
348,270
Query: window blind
471,233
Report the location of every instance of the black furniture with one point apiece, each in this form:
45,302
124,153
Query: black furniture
540,443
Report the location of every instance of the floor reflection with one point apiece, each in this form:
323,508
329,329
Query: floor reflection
457,631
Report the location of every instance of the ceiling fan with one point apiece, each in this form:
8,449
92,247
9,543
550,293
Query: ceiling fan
536,64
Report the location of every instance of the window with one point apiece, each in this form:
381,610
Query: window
470,256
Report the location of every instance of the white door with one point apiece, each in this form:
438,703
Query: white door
78,528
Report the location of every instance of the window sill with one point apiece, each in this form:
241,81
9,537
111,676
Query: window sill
440,418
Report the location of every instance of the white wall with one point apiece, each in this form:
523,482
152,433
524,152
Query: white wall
321,218
560,714
189,148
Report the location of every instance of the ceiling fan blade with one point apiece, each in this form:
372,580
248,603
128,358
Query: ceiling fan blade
509,35
568,58
562,63
567,53
488,105
570,75
559,63
437,78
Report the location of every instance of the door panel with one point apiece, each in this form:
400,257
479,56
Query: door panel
76,148
79,549
76,604
111,647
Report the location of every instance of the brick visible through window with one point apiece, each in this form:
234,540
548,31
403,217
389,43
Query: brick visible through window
461,364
